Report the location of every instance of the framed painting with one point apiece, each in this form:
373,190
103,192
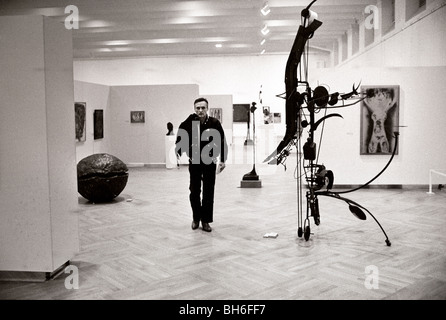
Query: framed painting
379,119
241,112
216,113
268,117
137,117
80,112
277,117
98,124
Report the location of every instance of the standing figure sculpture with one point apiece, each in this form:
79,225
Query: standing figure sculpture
169,129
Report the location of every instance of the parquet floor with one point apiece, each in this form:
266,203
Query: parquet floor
141,246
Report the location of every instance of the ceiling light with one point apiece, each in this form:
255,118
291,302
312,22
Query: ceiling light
263,51
265,10
117,43
265,30
96,24
218,45
263,42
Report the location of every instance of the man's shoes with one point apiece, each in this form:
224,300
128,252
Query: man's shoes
206,227
195,225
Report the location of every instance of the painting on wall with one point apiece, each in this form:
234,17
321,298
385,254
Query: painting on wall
267,115
277,117
241,112
137,117
80,112
379,119
98,123
216,113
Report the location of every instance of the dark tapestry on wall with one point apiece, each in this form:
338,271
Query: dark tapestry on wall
379,119
241,112
80,112
98,118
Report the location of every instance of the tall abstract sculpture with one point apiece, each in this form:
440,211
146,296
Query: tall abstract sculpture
299,98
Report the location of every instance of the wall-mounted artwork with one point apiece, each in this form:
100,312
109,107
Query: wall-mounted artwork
80,112
379,119
137,117
267,115
98,123
241,112
277,117
216,113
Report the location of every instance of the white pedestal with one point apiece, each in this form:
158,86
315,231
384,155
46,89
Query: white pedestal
250,183
171,158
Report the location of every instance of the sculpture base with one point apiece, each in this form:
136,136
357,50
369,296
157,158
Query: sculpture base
251,184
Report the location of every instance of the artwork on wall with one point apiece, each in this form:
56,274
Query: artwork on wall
216,113
137,117
80,112
379,119
277,117
241,112
98,123
267,115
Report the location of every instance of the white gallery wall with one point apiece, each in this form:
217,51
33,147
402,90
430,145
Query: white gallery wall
411,57
96,97
140,143
241,77
144,143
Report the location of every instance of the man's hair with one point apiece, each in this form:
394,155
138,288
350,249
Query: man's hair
201,100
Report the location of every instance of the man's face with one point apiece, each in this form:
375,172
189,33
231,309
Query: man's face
201,109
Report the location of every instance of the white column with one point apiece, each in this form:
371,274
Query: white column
38,182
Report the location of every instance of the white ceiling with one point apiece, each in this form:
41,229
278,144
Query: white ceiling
137,28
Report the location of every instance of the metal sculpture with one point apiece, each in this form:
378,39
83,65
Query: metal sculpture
253,176
312,102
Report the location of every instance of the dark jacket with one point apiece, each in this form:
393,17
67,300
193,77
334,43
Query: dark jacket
194,137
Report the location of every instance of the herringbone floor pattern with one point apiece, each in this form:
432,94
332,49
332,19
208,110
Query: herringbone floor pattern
141,246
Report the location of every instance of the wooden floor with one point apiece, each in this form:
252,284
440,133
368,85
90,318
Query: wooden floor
141,246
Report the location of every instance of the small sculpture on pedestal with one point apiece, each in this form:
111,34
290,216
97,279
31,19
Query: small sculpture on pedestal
251,179
170,129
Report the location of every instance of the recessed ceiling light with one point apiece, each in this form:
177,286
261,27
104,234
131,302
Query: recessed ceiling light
265,30
263,51
117,43
218,45
262,42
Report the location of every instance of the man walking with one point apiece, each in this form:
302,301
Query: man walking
203,139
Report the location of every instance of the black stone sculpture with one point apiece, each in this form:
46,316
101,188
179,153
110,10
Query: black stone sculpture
101,177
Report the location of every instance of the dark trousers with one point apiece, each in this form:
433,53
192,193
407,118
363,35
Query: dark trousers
202,204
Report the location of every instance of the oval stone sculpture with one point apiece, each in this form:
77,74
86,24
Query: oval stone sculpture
101,177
